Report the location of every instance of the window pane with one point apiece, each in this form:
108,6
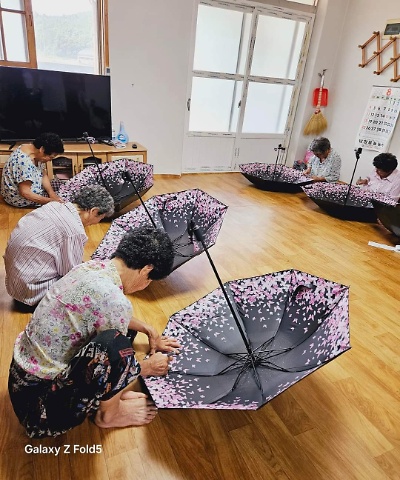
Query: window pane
270,61
66,35
267,108
211,105
218,37
12,4
15,35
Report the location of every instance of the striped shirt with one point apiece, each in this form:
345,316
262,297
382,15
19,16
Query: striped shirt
45,245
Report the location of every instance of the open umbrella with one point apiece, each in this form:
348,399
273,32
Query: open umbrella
388,215
347,202
287,325
177,214
125,180
274,177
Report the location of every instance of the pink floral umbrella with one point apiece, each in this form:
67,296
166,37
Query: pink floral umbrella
291,323
347,202
273,177
125,179
177,214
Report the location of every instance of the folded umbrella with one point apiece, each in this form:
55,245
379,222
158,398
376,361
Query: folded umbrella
177,214
125,180
240,354
347,202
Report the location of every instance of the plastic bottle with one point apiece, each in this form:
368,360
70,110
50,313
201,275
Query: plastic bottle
122,135
113,135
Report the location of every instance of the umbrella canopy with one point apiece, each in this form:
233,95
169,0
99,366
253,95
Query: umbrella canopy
177,214
346,202
291,323
388,215
117,177
273,177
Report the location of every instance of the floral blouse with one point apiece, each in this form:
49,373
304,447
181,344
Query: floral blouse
88,300
20,168
329,168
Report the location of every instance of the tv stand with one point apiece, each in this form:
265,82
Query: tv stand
78,152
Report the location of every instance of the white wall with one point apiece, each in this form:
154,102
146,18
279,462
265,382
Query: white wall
149,59
149,54
351,85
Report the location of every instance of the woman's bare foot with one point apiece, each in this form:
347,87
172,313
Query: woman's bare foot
134,409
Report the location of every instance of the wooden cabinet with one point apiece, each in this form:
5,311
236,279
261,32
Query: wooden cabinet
79,154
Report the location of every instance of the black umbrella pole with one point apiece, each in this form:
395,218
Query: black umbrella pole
128,176
279,149
86,137
233,310
358,153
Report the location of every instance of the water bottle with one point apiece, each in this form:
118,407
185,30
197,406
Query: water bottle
122,135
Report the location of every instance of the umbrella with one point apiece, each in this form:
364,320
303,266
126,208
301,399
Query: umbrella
177,214
388,215
274,177
288,324
125,180
347,202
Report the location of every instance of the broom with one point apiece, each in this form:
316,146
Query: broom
317,123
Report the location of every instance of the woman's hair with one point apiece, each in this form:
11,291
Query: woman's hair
94,196
385,161
320,145
50,142
147,246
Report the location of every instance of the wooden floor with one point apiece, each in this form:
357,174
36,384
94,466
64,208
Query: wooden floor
341,422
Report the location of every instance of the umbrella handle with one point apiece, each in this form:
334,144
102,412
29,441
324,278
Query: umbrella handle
322,75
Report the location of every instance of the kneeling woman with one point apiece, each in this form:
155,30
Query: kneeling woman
75,357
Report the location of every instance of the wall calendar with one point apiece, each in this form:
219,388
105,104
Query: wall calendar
379,119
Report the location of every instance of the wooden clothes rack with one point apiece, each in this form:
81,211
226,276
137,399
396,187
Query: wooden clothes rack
377,55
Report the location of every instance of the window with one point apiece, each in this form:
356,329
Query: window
54,35
245,68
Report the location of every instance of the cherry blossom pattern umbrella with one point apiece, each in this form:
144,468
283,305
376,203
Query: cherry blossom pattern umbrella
290,324
125,179
273,177
347,202
177,214
388,215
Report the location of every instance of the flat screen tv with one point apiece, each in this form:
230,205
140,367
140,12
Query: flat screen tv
34,101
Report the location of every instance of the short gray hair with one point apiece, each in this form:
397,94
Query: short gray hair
95,196
320,145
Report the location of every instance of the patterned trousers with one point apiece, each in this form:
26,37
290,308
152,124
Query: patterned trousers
99,370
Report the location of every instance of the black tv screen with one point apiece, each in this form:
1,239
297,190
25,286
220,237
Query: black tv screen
34,101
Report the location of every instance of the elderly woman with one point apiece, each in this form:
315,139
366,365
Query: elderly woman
324,165
75,358
385,178
25,182
49,241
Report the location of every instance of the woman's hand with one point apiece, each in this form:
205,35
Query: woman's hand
56,198
167,344
157,364
160,343
318,179
362,181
